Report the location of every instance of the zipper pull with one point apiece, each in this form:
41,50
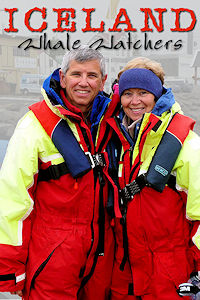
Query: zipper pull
76,185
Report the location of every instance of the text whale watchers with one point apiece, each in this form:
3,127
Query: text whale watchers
113,43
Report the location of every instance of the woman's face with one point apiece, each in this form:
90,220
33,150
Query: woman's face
136,102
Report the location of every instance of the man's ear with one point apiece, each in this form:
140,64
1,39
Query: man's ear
103,82
62,79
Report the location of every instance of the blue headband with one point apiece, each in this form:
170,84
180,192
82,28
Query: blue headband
140,79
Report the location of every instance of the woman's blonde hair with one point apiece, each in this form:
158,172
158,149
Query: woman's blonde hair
144,63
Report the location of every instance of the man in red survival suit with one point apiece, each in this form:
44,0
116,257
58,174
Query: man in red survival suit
54,230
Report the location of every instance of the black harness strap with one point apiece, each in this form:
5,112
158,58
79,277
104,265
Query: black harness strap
101,222
7,277
130,289
53,172
56,171
125,242
128,192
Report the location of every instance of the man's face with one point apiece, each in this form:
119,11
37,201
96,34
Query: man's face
82,83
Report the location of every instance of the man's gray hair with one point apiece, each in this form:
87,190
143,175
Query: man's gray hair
83,54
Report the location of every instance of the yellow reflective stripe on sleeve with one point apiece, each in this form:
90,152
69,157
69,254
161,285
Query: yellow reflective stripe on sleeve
196,238
51,157
20,277
187,168
17,177
120,165
195,143
97,135
181,189
20,228
20,222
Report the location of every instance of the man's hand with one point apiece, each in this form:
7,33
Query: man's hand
19,293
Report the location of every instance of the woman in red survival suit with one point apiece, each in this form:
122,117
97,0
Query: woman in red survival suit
156,226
